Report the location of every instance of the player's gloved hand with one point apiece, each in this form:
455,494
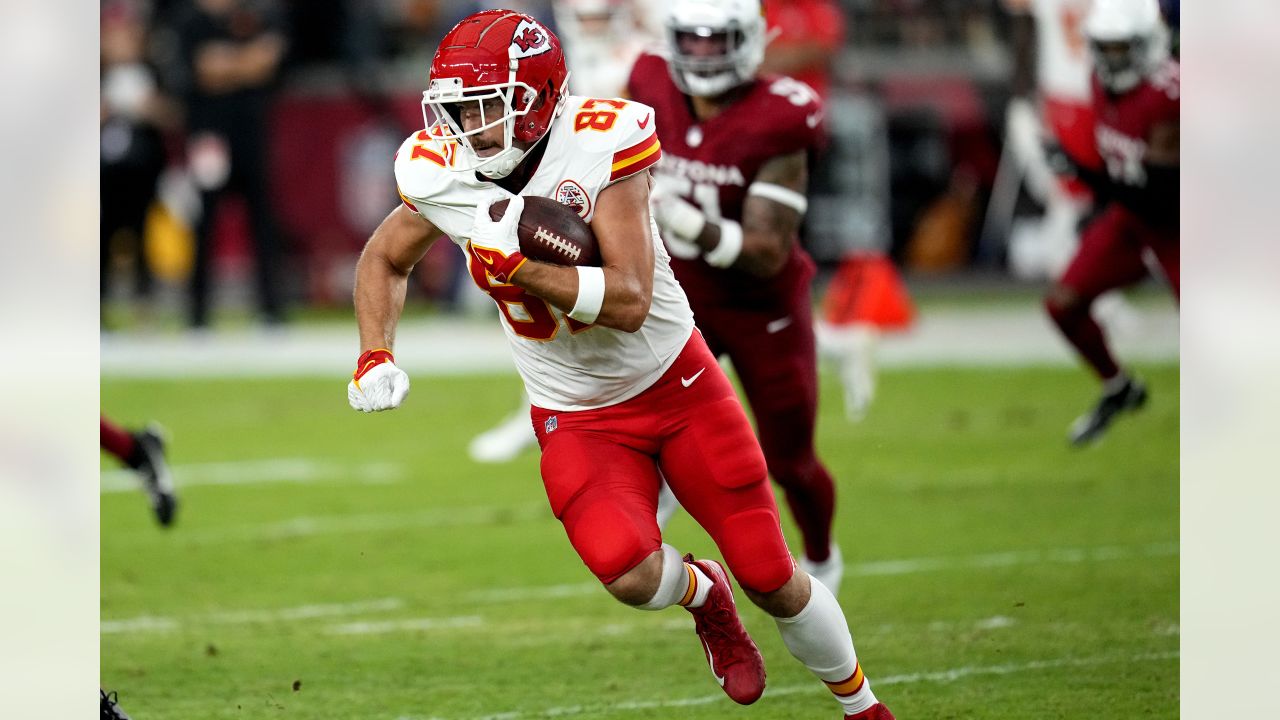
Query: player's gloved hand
679,220
377,384
495,243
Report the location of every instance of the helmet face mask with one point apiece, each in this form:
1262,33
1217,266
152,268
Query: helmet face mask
1119,64
494,69
467,115
714,45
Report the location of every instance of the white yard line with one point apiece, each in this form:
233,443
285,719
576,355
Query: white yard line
270,470
1064,556
313,526
940,676
982,336
395,626
151,623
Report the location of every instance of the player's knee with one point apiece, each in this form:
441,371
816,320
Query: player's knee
611,542
1063,303
637,585
785,601
755,550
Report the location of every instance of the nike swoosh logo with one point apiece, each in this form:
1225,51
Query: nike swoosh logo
689,381
711,660
776,325
644,123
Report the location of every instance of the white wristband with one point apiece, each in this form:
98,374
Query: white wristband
590,294
779,194
730,247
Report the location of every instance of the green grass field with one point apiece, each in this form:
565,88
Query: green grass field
993,572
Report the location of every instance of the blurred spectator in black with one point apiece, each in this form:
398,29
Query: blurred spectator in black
133,153
230,53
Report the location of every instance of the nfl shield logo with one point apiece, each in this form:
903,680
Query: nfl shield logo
552,423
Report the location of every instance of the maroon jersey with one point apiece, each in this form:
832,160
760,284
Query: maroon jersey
714,162
1125,121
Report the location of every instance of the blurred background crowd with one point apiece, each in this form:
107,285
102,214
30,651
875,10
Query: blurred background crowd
246,144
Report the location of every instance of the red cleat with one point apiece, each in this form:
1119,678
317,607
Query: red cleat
733,656
875,712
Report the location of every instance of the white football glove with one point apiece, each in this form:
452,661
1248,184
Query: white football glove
679,220
496,243
377,383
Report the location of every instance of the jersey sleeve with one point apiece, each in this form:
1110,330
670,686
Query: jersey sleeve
796,114
1167,83
418,164
637,147
428,185
643,72
620,135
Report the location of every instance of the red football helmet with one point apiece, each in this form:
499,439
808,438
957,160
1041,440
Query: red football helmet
496,54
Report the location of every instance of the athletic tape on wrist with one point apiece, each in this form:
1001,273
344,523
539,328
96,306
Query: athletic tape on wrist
781,195
369,359
590,294
730,247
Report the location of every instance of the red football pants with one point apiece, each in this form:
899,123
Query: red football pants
601,472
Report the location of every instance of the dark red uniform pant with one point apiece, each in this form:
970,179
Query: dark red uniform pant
774,353
1111,256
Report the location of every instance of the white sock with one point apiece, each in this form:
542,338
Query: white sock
819,638
1113,385
699,587
674,584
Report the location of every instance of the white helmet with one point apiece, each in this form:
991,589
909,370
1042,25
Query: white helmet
1127,40
741,25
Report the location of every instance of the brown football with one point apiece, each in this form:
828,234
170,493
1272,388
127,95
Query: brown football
551,232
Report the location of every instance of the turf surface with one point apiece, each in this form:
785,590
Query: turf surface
328,564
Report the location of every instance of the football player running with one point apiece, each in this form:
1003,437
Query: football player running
729,198
622,386
1135,97
601,40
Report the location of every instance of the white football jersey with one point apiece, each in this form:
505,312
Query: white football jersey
1062,63
565,364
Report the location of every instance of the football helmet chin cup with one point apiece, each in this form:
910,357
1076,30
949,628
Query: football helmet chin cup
495,54
740,22
1135,24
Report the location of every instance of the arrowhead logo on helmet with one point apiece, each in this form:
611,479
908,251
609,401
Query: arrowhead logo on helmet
508,66
529,39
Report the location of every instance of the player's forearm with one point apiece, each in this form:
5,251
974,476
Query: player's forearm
379,300
626,300
763,254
